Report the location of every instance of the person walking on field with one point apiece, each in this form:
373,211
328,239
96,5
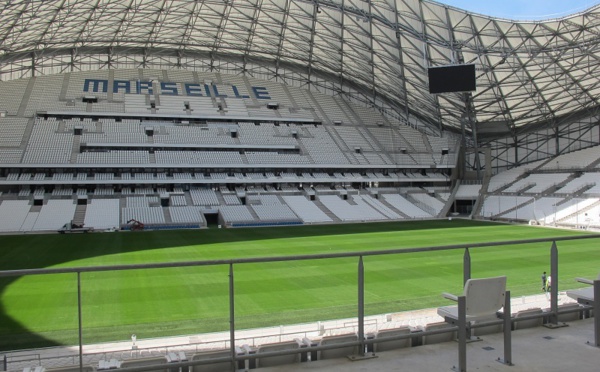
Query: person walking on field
544,279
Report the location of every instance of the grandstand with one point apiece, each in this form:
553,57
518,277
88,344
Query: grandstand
104,151
102,148
161,154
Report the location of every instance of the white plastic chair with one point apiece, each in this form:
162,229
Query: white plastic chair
484,298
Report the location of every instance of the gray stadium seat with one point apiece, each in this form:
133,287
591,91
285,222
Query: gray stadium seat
71,369
212,367
391,345
278,360
528,323
146,362
340,352
583,295
440,337
484,298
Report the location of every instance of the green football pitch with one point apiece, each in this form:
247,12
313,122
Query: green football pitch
41,310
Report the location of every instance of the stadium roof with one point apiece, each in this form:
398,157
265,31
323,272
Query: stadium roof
528,73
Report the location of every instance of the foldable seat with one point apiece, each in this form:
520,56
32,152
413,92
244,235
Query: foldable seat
530,323
342,351
278,360
213,367
395,344
484,298
146,362
439,337
86,368
571,312
584,296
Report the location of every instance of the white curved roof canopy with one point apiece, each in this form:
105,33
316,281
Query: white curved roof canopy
528,73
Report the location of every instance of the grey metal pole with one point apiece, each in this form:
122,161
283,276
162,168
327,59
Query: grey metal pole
80,322
462,334
5,363
507,330
361,307
232,320
597,313
554,284
466,266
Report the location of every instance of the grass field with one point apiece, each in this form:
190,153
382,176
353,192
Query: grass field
42,310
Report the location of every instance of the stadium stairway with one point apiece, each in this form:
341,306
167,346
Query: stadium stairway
317,107
340,143
593,165
253,213
448,203
420,205
289,95
327,212
75,149
387,204
578,212
220,198
167,213
27,135
25,99
65,87
516,207
553,188
481,197
79,216
188,198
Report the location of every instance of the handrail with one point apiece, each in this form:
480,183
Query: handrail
162,265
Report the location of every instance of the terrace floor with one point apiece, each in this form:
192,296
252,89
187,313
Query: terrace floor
533,349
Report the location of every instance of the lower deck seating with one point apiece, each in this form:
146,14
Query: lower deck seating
162,207
212,367
342,351
278,360
146,362
391,345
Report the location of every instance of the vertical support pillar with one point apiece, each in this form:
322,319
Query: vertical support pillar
507,330
361,307
554,284
232,320
462,334
466,266
79,321
597,313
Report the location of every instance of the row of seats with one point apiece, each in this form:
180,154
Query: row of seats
248,176
148,207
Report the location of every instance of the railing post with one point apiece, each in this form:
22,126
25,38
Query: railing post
553,318
462,334
79,321
232,320
507,330
554,282
466,266
597,313
361,307
5,363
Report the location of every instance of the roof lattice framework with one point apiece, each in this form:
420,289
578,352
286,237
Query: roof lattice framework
528,73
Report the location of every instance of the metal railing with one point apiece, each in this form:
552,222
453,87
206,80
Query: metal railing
362,341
